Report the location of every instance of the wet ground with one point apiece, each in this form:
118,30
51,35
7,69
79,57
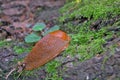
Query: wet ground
105,66
43,11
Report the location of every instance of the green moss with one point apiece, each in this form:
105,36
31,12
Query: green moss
87,43
53,76
84,41
25,74
4,43
20,50
51,69
91,9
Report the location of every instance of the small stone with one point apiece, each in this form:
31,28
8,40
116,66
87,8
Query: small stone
9,39
6,60
117,49
70,64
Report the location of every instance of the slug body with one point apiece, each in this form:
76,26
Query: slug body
46,49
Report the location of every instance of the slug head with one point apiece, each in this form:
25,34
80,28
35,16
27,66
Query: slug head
61,34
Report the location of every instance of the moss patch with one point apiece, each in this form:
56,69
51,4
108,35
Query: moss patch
91,9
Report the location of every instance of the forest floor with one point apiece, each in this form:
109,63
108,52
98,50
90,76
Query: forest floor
14,14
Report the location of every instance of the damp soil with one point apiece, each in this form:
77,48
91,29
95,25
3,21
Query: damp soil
101,67
44,11
105,66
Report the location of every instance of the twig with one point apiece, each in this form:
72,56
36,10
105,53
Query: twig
10,73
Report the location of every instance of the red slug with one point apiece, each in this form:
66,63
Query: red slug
46,49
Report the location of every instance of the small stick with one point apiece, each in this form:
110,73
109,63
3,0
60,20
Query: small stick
10,73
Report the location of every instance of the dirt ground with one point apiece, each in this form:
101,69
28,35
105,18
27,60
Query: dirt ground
101,67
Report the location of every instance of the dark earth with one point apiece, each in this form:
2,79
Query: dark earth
105,66
101,67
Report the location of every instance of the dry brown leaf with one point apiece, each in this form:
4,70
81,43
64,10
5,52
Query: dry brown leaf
13,11
13,3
